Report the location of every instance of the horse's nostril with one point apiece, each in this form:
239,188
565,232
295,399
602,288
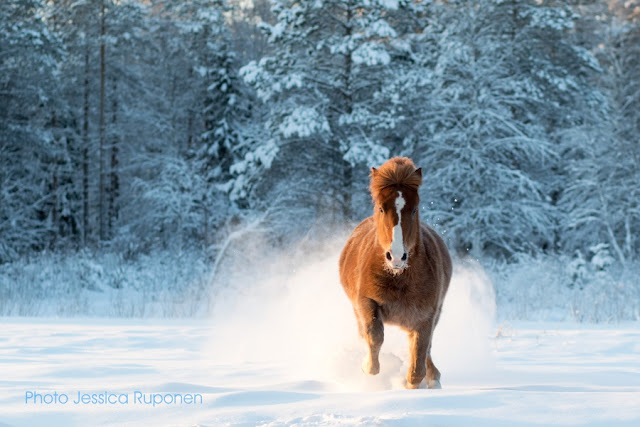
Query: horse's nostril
404,256
389,256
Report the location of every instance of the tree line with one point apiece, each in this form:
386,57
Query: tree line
132,126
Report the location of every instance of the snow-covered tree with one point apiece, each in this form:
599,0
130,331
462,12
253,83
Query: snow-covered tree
198,101
489,97
224,114
32,150
527,142
329,58
110,107
602,197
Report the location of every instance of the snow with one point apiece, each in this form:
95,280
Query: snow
283,350
276,31
390,4
366,151
250,72
381,28
303,122
371,54
551,374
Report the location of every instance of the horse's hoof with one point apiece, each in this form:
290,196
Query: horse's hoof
369,368
434,384
411,386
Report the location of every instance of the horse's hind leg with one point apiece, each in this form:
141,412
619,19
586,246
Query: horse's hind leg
371,329
433,374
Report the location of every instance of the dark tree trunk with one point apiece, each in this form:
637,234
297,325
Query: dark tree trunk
55,229
102,190
114,184
85,152
347,173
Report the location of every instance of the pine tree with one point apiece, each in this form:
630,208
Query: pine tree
329,57
74,22
490,97
33,148
602,199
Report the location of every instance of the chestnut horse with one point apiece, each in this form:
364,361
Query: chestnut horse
396,270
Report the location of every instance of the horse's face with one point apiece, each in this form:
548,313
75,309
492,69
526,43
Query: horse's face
397,225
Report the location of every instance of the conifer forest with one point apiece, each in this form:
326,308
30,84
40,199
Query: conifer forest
152,149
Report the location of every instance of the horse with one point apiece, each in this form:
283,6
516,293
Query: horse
396,270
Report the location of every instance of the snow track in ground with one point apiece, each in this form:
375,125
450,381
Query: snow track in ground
547,374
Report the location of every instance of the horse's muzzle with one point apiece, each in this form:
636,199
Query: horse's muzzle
397,263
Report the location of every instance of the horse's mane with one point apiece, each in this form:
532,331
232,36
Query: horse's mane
396,171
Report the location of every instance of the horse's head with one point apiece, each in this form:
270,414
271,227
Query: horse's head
394,188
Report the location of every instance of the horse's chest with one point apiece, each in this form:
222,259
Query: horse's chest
405,307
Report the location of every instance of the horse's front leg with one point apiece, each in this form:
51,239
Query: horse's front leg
372,330
421,364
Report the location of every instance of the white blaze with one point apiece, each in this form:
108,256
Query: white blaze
397,241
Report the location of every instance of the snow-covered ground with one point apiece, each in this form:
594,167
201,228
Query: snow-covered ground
285,352
535,374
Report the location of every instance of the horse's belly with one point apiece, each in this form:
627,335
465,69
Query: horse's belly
405,315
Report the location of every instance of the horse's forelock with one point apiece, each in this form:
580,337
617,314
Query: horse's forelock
399,171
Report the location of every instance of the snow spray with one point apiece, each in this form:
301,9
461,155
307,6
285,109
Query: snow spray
296,314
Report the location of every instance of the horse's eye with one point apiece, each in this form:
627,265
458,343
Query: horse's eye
381,211
413,212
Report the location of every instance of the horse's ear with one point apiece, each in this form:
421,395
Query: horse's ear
417,177
374,171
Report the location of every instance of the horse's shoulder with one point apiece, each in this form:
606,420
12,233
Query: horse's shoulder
434,244
430,236
365,227
358,235
355,256
366,223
